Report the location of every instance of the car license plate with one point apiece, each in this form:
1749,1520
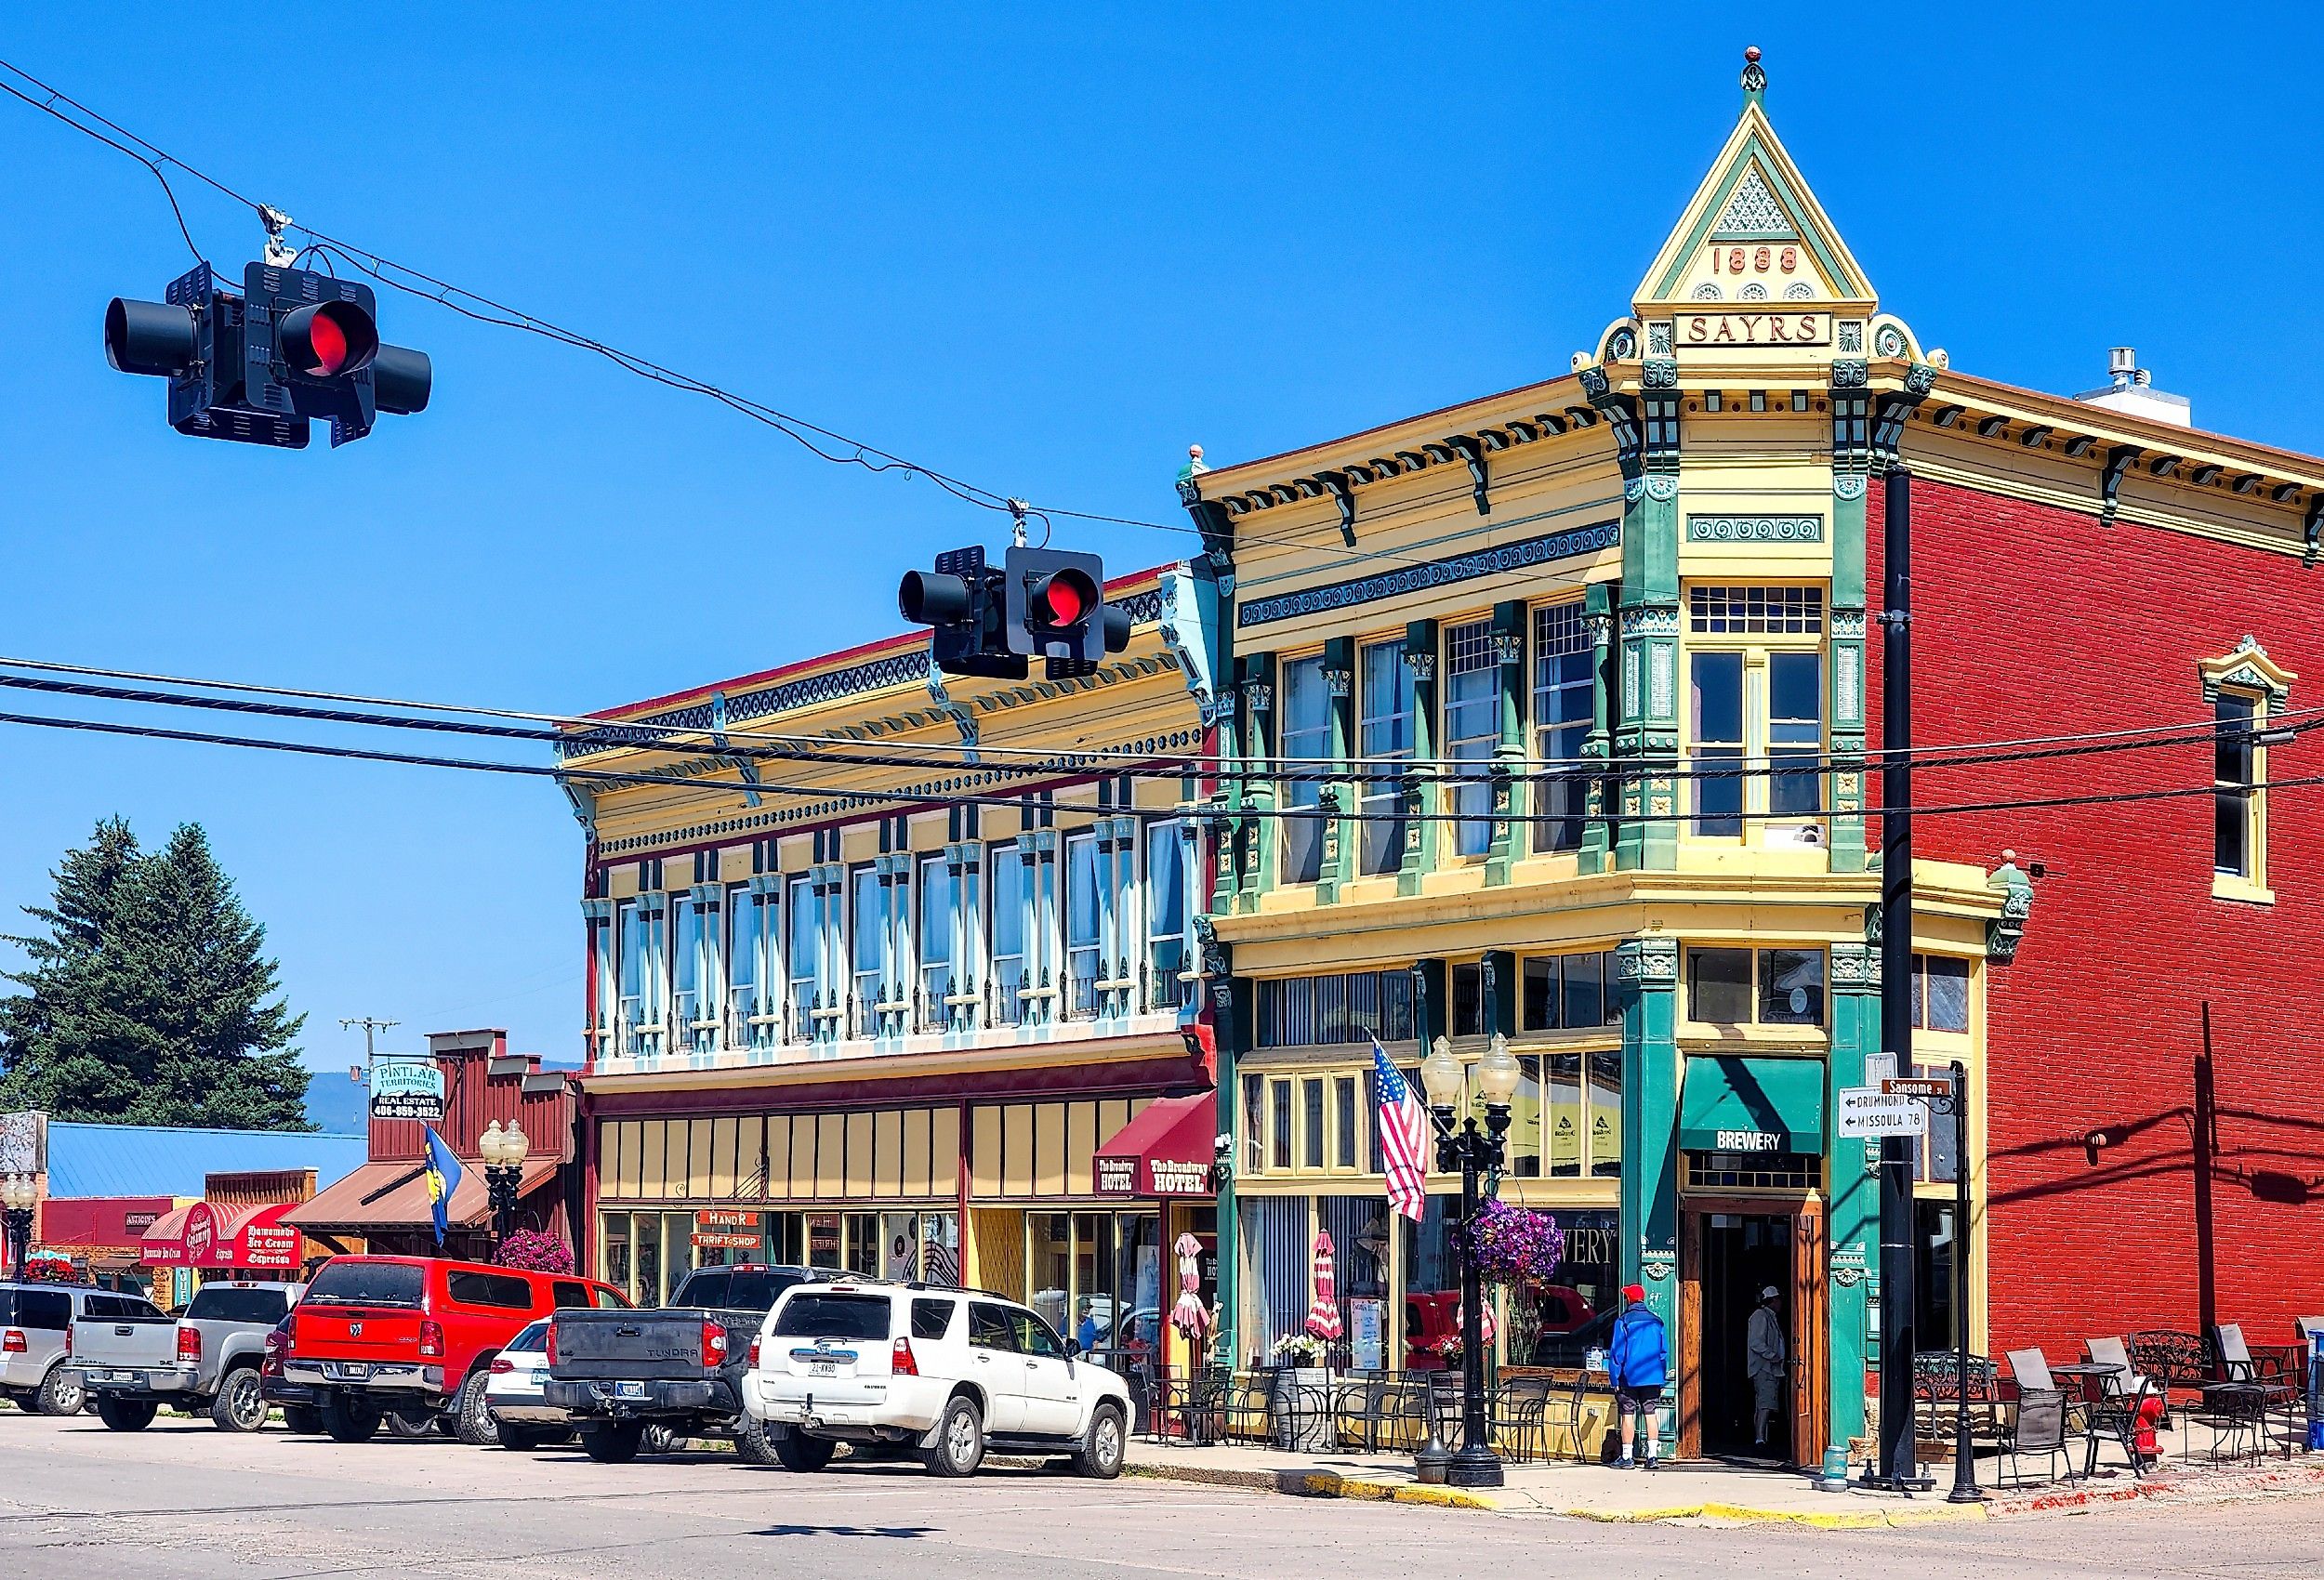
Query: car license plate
348,1370
539,1379
120,1377
630,1390
823,1368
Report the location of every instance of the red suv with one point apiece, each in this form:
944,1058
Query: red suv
414,1337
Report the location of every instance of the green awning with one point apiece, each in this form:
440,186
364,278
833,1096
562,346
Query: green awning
1735,1104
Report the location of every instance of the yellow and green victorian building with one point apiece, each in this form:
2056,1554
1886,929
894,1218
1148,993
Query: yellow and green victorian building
1522,648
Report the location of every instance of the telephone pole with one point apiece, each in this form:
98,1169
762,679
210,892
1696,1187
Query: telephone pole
372,1027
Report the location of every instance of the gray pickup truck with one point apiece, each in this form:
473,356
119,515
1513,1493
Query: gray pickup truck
207,1360
676,1373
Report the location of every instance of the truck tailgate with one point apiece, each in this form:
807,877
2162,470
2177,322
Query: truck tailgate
589,1346
128,1342
323,1331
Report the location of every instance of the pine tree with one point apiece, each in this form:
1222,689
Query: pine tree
153,1001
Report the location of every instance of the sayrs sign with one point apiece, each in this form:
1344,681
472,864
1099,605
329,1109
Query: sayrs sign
411,1091
1755,329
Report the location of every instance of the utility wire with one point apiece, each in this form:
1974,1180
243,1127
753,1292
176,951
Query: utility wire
1278,814
826,444
1473,771
842,749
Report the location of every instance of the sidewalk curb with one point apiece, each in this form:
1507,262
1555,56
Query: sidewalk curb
1315,1484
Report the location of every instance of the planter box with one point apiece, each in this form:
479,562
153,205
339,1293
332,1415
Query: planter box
1303,1410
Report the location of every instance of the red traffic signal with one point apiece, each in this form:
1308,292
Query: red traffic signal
326,339
1061,598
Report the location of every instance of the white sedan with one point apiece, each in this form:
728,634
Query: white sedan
513,1393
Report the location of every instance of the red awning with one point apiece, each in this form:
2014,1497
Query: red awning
1166,1151
204,1236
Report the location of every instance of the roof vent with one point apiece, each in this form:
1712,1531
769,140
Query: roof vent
2131,390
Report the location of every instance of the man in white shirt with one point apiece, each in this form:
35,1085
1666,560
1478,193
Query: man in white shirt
1764,1358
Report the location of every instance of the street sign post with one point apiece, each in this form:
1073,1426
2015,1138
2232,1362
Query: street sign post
1867,1110
1917,1086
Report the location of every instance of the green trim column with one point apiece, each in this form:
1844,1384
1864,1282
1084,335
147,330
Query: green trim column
1851,1197
1342,837
1420,798
1510,804
1648,970
1844,673
1262,838
1231,1003
1648,736
1597,833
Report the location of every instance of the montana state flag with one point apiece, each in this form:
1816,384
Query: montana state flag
443,1176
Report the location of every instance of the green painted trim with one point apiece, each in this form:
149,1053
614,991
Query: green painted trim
1512,801
1596,833
1420,833
1851,1197
1648,973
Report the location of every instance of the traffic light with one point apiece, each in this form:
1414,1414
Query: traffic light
256,368
962,600
1057,608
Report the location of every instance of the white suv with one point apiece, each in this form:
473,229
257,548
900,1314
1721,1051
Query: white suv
946,1372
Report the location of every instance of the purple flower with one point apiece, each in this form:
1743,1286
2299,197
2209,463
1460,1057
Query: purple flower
534,1252
1514,1245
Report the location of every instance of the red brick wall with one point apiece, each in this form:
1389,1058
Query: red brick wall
2033,621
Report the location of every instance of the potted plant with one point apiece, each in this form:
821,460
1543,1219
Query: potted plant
1302,1393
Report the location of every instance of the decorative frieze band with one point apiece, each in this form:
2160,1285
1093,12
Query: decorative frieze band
1431,574
1754,529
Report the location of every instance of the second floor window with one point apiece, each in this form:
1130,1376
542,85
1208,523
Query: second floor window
1306,725
644,962
814,983
1384,741
1009,936
1473,728
1562,689
867,917
1166,915
1715,733
1773,987
2234,795
938,940
694,980
1084,925
749,967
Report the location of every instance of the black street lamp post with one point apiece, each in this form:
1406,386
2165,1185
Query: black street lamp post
503,1168
20,1193
1476,1150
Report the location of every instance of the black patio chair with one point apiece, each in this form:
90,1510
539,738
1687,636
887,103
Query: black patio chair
2039,1427
1245,1405
2266,1373
2113,1416
1518,1412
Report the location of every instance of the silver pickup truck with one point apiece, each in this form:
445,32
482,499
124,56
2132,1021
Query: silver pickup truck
205,1359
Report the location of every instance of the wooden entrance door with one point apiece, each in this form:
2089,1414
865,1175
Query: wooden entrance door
1804,1308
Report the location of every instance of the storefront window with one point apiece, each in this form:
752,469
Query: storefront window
613,1252
1096,1277
1432,1286
1556,1323
1358,1227
1775,987
1276,1249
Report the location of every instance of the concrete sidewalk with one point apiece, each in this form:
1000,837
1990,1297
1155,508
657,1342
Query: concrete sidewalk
1709,1491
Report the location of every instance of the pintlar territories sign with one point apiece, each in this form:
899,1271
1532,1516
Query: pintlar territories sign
413,1092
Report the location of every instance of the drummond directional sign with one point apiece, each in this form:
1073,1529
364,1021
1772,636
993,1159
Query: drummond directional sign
1867,1111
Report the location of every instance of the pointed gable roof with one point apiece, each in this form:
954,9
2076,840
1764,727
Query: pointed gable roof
1754,197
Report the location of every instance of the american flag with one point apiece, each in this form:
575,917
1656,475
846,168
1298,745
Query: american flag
1403,1137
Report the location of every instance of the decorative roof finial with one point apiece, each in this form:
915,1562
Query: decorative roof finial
1754,79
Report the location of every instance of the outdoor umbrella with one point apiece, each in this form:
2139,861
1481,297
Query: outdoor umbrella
1190,1316
1323,1315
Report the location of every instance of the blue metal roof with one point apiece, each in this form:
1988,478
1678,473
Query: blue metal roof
151,1160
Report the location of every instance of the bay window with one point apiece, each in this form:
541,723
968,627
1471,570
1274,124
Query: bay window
1084,925
867,921
813,982
750,968
1473,728
694,969
644,971
1755,691
940,939
1385,735
1010,978
1306,722
1563,687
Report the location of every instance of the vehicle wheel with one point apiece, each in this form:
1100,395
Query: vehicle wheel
797,1451
959,1440
237,1407
347,1421
1100,1451
752,1445
126,1415
660,1439
615,1444
59,1394
303,1418
518,1439
412,1424
472,1412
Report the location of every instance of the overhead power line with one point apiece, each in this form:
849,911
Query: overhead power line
1277,815
1471,770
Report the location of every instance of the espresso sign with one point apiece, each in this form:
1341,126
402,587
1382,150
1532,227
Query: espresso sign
1755,329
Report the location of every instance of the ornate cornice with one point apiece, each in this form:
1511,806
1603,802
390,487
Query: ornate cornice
1496,561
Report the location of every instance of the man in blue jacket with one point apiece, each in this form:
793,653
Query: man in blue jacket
1639,1359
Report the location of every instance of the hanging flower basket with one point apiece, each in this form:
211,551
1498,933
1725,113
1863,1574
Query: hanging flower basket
48,1267
1514,1245
534,1252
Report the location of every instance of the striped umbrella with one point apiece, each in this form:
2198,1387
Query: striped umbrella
1323,1315
1190,1316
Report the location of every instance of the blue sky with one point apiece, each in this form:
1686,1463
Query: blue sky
1043,248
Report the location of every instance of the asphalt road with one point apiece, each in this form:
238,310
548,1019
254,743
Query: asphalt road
181,1499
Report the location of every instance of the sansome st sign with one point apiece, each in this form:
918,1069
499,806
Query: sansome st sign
413,1092
1916,1086
1867,1111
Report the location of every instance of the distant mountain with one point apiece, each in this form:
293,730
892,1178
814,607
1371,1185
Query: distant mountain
337,1104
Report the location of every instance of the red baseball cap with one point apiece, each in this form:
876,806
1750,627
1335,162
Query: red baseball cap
1635,1292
